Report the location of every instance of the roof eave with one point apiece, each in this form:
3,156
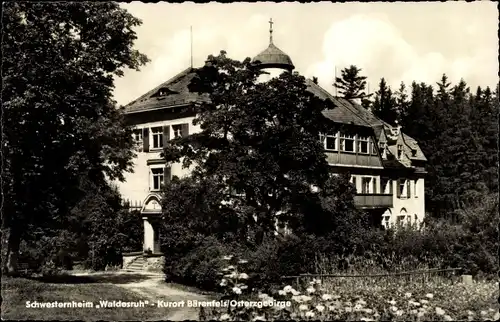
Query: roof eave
156,108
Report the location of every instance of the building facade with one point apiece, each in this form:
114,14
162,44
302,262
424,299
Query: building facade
386,166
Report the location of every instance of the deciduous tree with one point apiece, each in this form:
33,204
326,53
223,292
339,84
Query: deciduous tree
59,120
259,142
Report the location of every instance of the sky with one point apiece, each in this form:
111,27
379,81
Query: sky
402,42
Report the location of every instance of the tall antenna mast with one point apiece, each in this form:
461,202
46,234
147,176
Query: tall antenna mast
271,30
335,81
191,35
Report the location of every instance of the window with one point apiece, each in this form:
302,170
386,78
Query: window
384,185
137,135
347,143
374,185
387,222
353,181
363,143
365,184
373,148
157,178
402,186
177,131
400,151
400,220
331,142
157,133
416,188
383,151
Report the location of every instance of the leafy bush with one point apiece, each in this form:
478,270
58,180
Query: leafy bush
200,267
97,231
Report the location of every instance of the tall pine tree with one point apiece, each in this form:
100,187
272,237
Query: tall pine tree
402,102
351,84
384,105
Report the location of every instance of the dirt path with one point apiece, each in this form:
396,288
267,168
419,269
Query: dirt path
151,286
156,289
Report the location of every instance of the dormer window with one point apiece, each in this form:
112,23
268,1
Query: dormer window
400,151
164,91
413,152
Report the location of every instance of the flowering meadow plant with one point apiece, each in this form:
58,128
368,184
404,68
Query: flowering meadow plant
322,300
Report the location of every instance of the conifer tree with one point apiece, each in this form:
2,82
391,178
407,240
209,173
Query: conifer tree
384,104
401,99
351,84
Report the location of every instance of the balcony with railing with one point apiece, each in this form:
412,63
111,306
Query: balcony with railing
373,201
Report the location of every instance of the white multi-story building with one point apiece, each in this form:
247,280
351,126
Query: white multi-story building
386,165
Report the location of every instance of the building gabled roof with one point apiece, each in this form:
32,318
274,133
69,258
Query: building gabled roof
352,113
413,145
341,113
177,93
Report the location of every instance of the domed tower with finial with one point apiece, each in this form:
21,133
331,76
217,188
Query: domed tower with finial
273,61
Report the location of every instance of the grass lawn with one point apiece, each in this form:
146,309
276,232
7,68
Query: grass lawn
17,291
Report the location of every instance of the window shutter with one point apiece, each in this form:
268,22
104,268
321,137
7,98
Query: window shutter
374,184
408,191
184,130
354,183
167,174
166,135
398,187
145,139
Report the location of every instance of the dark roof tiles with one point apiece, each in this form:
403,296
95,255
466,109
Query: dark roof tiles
273,57
178,94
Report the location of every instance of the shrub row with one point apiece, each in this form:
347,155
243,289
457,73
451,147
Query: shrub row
439,245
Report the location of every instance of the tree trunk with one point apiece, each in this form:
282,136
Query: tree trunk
12,252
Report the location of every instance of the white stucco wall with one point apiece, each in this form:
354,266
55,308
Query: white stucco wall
414,205
136,186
